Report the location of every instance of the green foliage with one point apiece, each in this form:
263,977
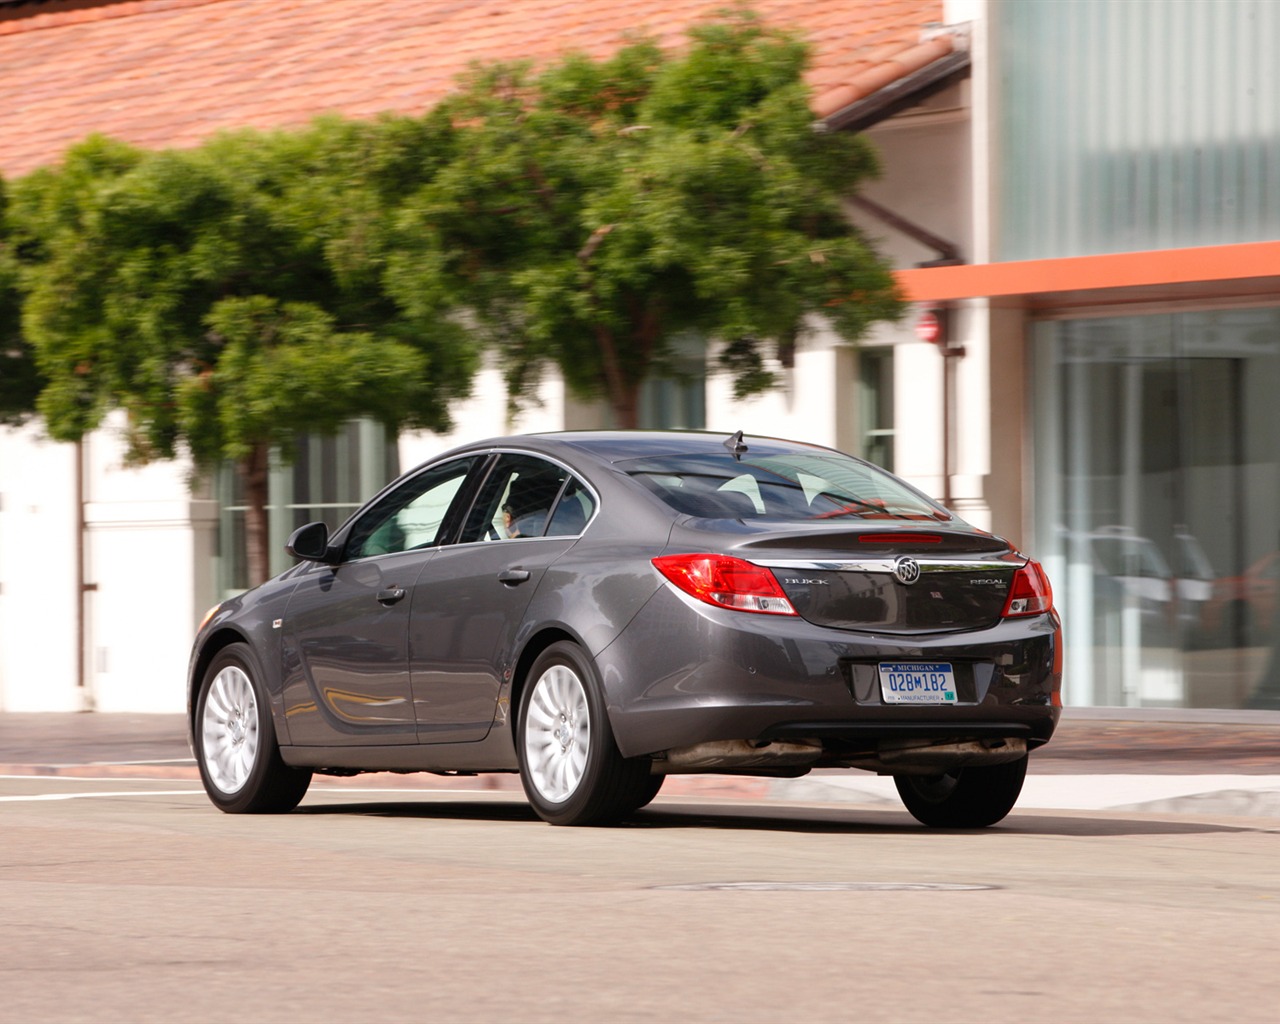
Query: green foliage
228,296
52,213
20,382
283,370
592,213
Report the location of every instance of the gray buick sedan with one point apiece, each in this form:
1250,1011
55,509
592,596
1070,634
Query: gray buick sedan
600,610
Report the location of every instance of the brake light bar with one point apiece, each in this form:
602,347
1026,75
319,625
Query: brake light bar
900,538
726,582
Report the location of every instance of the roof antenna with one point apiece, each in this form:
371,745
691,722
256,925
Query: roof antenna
736,445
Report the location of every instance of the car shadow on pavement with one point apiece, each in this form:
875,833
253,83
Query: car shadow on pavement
835,820
803,819
478,810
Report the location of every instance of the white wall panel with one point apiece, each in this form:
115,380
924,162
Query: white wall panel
1128,125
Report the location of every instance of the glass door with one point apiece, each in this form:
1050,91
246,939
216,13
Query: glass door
1158,504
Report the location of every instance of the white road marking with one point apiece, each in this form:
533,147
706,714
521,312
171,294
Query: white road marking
32,797
83,778
118,764
321,790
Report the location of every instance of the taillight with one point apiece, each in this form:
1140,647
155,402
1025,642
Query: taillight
726,582
1030,593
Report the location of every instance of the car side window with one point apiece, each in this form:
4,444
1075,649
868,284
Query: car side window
410,516
573,510
516,499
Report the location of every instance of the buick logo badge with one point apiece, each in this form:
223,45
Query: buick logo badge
906,570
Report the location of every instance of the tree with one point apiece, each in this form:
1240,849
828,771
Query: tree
597,211
20,381
228,297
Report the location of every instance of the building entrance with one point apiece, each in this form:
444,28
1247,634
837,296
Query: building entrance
1158,504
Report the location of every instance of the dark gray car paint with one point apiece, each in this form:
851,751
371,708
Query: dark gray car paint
709,675
351,652
675,670
465,620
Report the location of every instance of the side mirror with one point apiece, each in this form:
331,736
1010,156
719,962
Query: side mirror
310,542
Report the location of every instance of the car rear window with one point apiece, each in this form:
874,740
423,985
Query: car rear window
787,487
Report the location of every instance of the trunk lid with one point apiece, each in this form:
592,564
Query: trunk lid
899,581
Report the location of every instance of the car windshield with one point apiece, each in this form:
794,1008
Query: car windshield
791,486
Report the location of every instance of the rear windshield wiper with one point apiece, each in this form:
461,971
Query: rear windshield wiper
850,506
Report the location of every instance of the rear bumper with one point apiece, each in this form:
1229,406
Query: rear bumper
684,673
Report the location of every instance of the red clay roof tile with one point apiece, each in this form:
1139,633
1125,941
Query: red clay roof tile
160,73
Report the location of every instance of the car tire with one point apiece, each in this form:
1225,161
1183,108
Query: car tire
647,793
235,740
972,797
570,767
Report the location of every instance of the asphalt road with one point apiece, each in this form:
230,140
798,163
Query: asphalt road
133,900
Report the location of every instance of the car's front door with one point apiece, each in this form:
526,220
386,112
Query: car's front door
346,627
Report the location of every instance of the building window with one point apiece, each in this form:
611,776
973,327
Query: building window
675,397
327,479
875,405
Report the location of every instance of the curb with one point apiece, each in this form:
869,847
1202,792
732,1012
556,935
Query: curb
1253,796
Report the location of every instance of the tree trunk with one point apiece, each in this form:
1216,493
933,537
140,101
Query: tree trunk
621,388
626,405
253,474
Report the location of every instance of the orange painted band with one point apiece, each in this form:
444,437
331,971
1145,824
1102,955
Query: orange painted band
1081,273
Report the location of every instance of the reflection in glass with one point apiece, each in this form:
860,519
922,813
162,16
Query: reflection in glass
1158,504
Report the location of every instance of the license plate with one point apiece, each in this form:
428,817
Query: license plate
917,682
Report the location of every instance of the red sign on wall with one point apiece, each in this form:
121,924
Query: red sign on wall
928,327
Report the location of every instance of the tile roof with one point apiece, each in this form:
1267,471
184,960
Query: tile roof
160,73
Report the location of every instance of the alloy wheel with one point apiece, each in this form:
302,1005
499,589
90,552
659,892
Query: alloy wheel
229,729
557,733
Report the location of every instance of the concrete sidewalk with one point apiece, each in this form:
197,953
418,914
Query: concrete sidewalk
1148,761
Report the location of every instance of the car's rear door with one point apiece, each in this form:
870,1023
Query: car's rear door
471,599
